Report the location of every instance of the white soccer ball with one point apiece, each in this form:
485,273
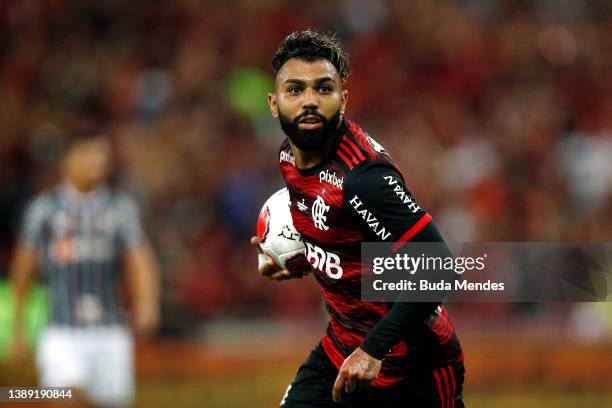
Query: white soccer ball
277,236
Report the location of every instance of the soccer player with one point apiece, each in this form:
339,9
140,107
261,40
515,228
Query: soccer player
345,189
81,236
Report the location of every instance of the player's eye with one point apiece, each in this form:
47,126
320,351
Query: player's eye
325,89
294,90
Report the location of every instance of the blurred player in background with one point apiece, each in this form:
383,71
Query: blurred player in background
81,236
345,189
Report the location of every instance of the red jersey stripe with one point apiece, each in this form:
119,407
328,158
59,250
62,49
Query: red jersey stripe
446,387
355,148
362,138
349,153
412,231
444,331
439,326
333,354
440,392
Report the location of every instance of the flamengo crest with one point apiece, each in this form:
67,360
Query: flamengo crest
319,209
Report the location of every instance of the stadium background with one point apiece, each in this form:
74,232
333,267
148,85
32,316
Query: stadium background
498,112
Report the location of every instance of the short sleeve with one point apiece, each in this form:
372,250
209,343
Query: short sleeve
34,218
130,227
376,195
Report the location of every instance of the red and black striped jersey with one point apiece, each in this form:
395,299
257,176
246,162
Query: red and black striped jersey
358,194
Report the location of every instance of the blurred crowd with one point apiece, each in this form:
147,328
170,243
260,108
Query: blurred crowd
499,114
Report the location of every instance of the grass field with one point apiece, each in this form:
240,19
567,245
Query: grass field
265,389
538,377
250,365
529,373
193,376
252,394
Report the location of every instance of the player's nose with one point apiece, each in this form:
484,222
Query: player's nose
310,100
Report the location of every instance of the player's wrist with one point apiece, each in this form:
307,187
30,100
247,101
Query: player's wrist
373,350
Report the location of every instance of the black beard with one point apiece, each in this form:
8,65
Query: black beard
309,140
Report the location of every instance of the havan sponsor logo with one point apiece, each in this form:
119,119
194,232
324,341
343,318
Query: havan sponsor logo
402,194
369,218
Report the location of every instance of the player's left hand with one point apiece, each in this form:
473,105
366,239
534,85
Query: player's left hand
359,369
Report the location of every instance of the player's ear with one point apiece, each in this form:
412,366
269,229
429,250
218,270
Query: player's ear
343,100
272,104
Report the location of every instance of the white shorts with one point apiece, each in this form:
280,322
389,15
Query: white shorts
97,360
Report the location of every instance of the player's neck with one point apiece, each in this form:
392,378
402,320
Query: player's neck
83,188
306,160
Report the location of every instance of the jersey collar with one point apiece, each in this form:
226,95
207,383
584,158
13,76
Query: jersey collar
71,196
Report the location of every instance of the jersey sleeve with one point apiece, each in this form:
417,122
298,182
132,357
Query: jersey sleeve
130,227
378,199
403,316
382,204
37,212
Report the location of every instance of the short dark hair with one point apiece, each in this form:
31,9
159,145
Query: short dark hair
311,46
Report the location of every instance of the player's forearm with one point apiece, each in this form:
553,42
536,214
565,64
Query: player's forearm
21,270
404,316
397,324
145,288
147,298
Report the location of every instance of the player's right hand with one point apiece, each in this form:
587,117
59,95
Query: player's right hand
358,370
268,268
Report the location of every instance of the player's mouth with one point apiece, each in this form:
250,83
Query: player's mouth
310,122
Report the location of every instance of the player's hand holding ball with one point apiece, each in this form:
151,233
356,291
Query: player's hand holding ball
267,267
282,254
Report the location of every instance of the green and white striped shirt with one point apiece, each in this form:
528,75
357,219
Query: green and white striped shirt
80,240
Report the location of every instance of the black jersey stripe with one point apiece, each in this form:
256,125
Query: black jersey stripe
354,147
345,159
349,153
